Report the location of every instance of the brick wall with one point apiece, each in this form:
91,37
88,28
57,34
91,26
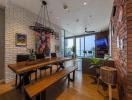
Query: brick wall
121,29
2,44
129,47
18,20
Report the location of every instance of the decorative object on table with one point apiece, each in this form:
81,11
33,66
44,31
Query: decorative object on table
109,76
21,40
32,54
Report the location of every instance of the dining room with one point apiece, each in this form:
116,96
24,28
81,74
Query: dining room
65,50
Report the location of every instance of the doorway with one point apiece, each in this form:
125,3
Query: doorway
2,44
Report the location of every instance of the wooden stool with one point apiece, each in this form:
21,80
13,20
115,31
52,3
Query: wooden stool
109,76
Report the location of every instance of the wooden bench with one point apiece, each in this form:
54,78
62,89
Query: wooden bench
38,89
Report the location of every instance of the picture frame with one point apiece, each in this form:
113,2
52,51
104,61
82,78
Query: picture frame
57,36
21,40
120,17
57,48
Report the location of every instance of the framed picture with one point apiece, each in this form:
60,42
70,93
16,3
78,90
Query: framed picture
57,36
57,48
21,40
120,17
118,42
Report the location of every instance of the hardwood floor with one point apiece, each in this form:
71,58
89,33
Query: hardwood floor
81,89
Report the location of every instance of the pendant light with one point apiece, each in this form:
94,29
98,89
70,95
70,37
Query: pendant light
42,23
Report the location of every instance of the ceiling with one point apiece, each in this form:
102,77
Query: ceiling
95,15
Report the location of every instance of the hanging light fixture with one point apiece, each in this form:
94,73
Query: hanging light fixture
42,23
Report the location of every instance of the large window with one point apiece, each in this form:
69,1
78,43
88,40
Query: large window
79,46
82,43
69,43
90,45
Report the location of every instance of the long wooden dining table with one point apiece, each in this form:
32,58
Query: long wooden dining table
27,66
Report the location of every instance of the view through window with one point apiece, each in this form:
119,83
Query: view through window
85,46
69,43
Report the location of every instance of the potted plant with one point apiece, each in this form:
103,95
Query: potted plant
73,49
32,54
95,63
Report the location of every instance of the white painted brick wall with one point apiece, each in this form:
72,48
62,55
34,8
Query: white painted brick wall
17,20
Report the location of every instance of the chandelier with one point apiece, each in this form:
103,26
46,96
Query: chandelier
42,23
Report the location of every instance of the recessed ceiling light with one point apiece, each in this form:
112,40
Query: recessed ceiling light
84,3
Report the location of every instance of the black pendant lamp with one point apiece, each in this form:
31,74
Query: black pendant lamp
43,22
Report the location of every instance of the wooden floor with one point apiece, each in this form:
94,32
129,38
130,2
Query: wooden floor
81,89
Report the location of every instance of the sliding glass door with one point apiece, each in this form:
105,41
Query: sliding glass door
82,43
79,46
90,45
69,43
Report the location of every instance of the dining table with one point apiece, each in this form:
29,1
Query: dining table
26,67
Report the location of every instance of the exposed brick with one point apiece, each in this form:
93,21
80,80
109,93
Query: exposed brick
123,58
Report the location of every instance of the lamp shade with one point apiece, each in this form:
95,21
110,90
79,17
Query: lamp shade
108,75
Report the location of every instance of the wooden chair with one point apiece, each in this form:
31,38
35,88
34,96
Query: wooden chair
41,56
21,75
54,55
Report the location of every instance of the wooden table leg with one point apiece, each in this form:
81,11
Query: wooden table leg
43,95
73,78
16,81
24,81
110,92
27,97
61,66
38,97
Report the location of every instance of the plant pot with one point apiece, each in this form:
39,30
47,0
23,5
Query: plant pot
98,70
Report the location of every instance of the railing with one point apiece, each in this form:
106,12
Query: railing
79,53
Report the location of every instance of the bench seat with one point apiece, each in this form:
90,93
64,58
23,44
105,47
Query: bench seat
34,89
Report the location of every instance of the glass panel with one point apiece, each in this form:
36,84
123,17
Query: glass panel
90,45
80,46
62,43
68,46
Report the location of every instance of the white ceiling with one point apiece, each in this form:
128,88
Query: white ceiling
95,15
